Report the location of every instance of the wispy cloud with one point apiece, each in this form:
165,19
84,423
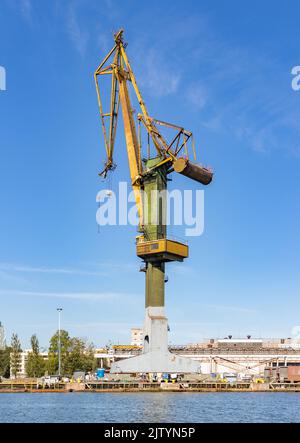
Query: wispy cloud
196,94
12,278
156,73
102,325
247,93
241,91
26,9
118,266
22,7
32,269
85,296
103,42
181,269
231,308
77,34
101,269
157,76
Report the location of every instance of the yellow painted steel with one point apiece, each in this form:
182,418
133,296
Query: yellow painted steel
157,138
161,247
131,143
122,73
126,347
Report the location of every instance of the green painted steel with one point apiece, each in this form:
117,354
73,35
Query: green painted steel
154,208
155,284
154,229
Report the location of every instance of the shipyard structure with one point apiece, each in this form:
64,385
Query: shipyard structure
229,357
218,359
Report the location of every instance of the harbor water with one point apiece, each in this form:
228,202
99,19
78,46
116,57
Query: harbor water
150,407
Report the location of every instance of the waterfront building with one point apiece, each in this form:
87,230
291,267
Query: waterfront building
23,360
136,337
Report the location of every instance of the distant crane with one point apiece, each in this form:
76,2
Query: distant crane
148,174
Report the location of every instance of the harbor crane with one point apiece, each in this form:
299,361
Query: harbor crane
149,179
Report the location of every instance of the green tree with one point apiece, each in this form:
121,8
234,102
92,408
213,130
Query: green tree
76,354
5,362
15,356
51,364
65,345
35,365
90,362
80,357
35,344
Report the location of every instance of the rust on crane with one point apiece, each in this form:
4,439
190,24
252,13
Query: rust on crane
192,170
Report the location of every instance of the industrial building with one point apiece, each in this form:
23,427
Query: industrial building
248,357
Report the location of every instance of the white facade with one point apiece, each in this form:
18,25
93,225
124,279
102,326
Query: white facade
23,360
137,337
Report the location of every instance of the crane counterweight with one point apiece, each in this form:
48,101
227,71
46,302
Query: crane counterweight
193,171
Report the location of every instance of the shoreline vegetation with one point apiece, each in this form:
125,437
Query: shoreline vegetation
76,354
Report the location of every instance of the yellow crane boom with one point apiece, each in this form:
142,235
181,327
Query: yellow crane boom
148,175
169,153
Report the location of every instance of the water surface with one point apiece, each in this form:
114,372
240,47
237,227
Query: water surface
150,407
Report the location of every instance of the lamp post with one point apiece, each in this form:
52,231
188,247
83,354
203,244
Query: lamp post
59,310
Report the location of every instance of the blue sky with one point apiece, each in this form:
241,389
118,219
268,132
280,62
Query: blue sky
219,71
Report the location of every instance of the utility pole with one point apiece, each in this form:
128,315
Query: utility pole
59,310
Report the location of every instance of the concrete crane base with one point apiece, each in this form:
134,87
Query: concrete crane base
155,357
155,361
